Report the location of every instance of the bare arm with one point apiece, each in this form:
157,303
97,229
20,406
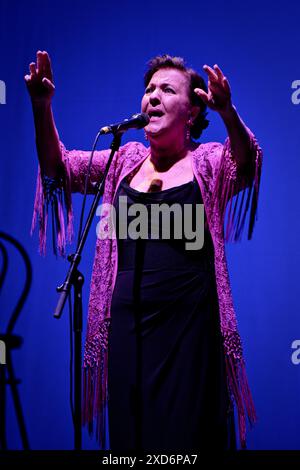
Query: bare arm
41,89
218,98
238,135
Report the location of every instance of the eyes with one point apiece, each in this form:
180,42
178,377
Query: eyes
166,89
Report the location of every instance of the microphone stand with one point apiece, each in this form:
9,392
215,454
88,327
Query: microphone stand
75,278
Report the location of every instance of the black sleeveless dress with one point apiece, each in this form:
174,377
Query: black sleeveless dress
166,373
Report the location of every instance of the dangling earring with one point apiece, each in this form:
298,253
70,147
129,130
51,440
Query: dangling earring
188,130
145,135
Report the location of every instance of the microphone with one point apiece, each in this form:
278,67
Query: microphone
137,121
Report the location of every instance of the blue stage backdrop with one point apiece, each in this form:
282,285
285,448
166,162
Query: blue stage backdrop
99,51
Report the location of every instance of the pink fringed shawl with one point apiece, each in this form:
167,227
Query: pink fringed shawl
219,180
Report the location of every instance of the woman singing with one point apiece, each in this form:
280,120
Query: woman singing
162,350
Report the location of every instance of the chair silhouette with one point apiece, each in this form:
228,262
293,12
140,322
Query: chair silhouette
12,341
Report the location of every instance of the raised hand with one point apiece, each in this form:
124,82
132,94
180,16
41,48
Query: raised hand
218,97
40,81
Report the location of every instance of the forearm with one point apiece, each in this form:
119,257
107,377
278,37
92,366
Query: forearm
47,139
238,135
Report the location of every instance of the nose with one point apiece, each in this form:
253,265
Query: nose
154,97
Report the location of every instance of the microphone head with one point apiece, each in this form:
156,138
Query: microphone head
142,118
137,121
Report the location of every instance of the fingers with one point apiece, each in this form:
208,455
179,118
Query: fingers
41,69
39,61
226,85
48,84
216,75
211,73
39,81
222,77
47,66
217,81
202,94
219,72
219,92
32,68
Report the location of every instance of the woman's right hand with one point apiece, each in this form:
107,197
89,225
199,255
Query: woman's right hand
40,81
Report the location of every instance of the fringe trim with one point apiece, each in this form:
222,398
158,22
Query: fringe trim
56,193
246,186
239,387
95,398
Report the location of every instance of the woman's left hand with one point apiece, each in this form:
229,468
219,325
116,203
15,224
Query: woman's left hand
218,97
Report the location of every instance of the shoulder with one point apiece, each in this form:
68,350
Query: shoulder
131,153
207,158
133,148
210,152
208,148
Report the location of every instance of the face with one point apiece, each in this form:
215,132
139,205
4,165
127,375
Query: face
166,101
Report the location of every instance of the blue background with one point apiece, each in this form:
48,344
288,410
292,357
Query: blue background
98,53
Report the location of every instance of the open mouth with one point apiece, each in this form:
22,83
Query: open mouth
155,114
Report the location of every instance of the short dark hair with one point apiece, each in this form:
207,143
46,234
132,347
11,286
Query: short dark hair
196,81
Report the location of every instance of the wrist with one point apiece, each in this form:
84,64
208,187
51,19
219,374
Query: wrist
41,104
228,111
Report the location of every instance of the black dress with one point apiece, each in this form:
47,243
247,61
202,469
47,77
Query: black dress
166,376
